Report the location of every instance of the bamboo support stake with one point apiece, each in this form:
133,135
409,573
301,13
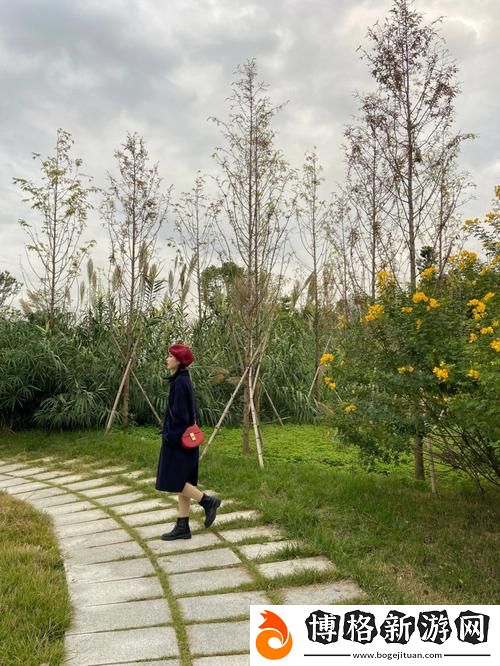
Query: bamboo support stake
432,471
139,385
272,405
258,442
226,409
317,371
118,394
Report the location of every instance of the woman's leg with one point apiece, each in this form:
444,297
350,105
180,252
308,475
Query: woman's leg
184,504
190,492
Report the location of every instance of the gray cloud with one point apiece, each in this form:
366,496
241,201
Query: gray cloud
161,68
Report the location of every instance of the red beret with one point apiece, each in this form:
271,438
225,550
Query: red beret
182,353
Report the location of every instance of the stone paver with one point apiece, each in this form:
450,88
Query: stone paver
136,507
103,572
218,637
219,557
47,492
30,471
223,518
322,593
79,517
149,517
100,539
104,553
132,475
224,660
102,525
46,476
258,551
72,507
117,646
95,594
57,500
84,485
258,532
12,482
107,490
201,541
121,616
206,581
219,606
120,499
69,478
288,567
26,489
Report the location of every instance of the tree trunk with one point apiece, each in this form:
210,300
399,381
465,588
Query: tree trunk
418,450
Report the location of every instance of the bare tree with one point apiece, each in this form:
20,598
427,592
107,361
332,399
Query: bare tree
62,201
313,216
195,220
133,211
368,194
417,87
253,188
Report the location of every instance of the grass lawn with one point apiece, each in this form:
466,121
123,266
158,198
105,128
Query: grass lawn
381,528
34,605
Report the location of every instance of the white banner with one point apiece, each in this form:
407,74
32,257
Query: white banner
348,635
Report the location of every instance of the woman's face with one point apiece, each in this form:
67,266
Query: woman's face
172,363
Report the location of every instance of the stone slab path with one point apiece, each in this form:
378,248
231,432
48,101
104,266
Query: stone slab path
139,600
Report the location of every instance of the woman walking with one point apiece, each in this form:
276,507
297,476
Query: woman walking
178,467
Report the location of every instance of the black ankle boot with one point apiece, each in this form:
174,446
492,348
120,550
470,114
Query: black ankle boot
180,531
210,504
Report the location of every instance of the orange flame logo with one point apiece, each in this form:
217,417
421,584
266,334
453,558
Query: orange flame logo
273,627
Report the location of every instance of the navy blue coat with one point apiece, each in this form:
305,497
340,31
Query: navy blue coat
178,466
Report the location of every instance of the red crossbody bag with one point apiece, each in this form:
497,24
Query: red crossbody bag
193,436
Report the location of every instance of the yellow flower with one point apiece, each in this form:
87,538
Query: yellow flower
342,320
326,358
384,279
405,368
418,324
407,309
488,296
374,312
402,369
441,372
471,223
332,386
473,374
419,297
487,330
433,303
495,344
495,323
427,272
467,259
350,408
479,308
327,380
472,337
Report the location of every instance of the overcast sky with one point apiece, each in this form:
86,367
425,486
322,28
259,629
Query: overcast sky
100,68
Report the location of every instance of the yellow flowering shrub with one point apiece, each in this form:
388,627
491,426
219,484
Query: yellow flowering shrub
374,312
326,358
419,297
